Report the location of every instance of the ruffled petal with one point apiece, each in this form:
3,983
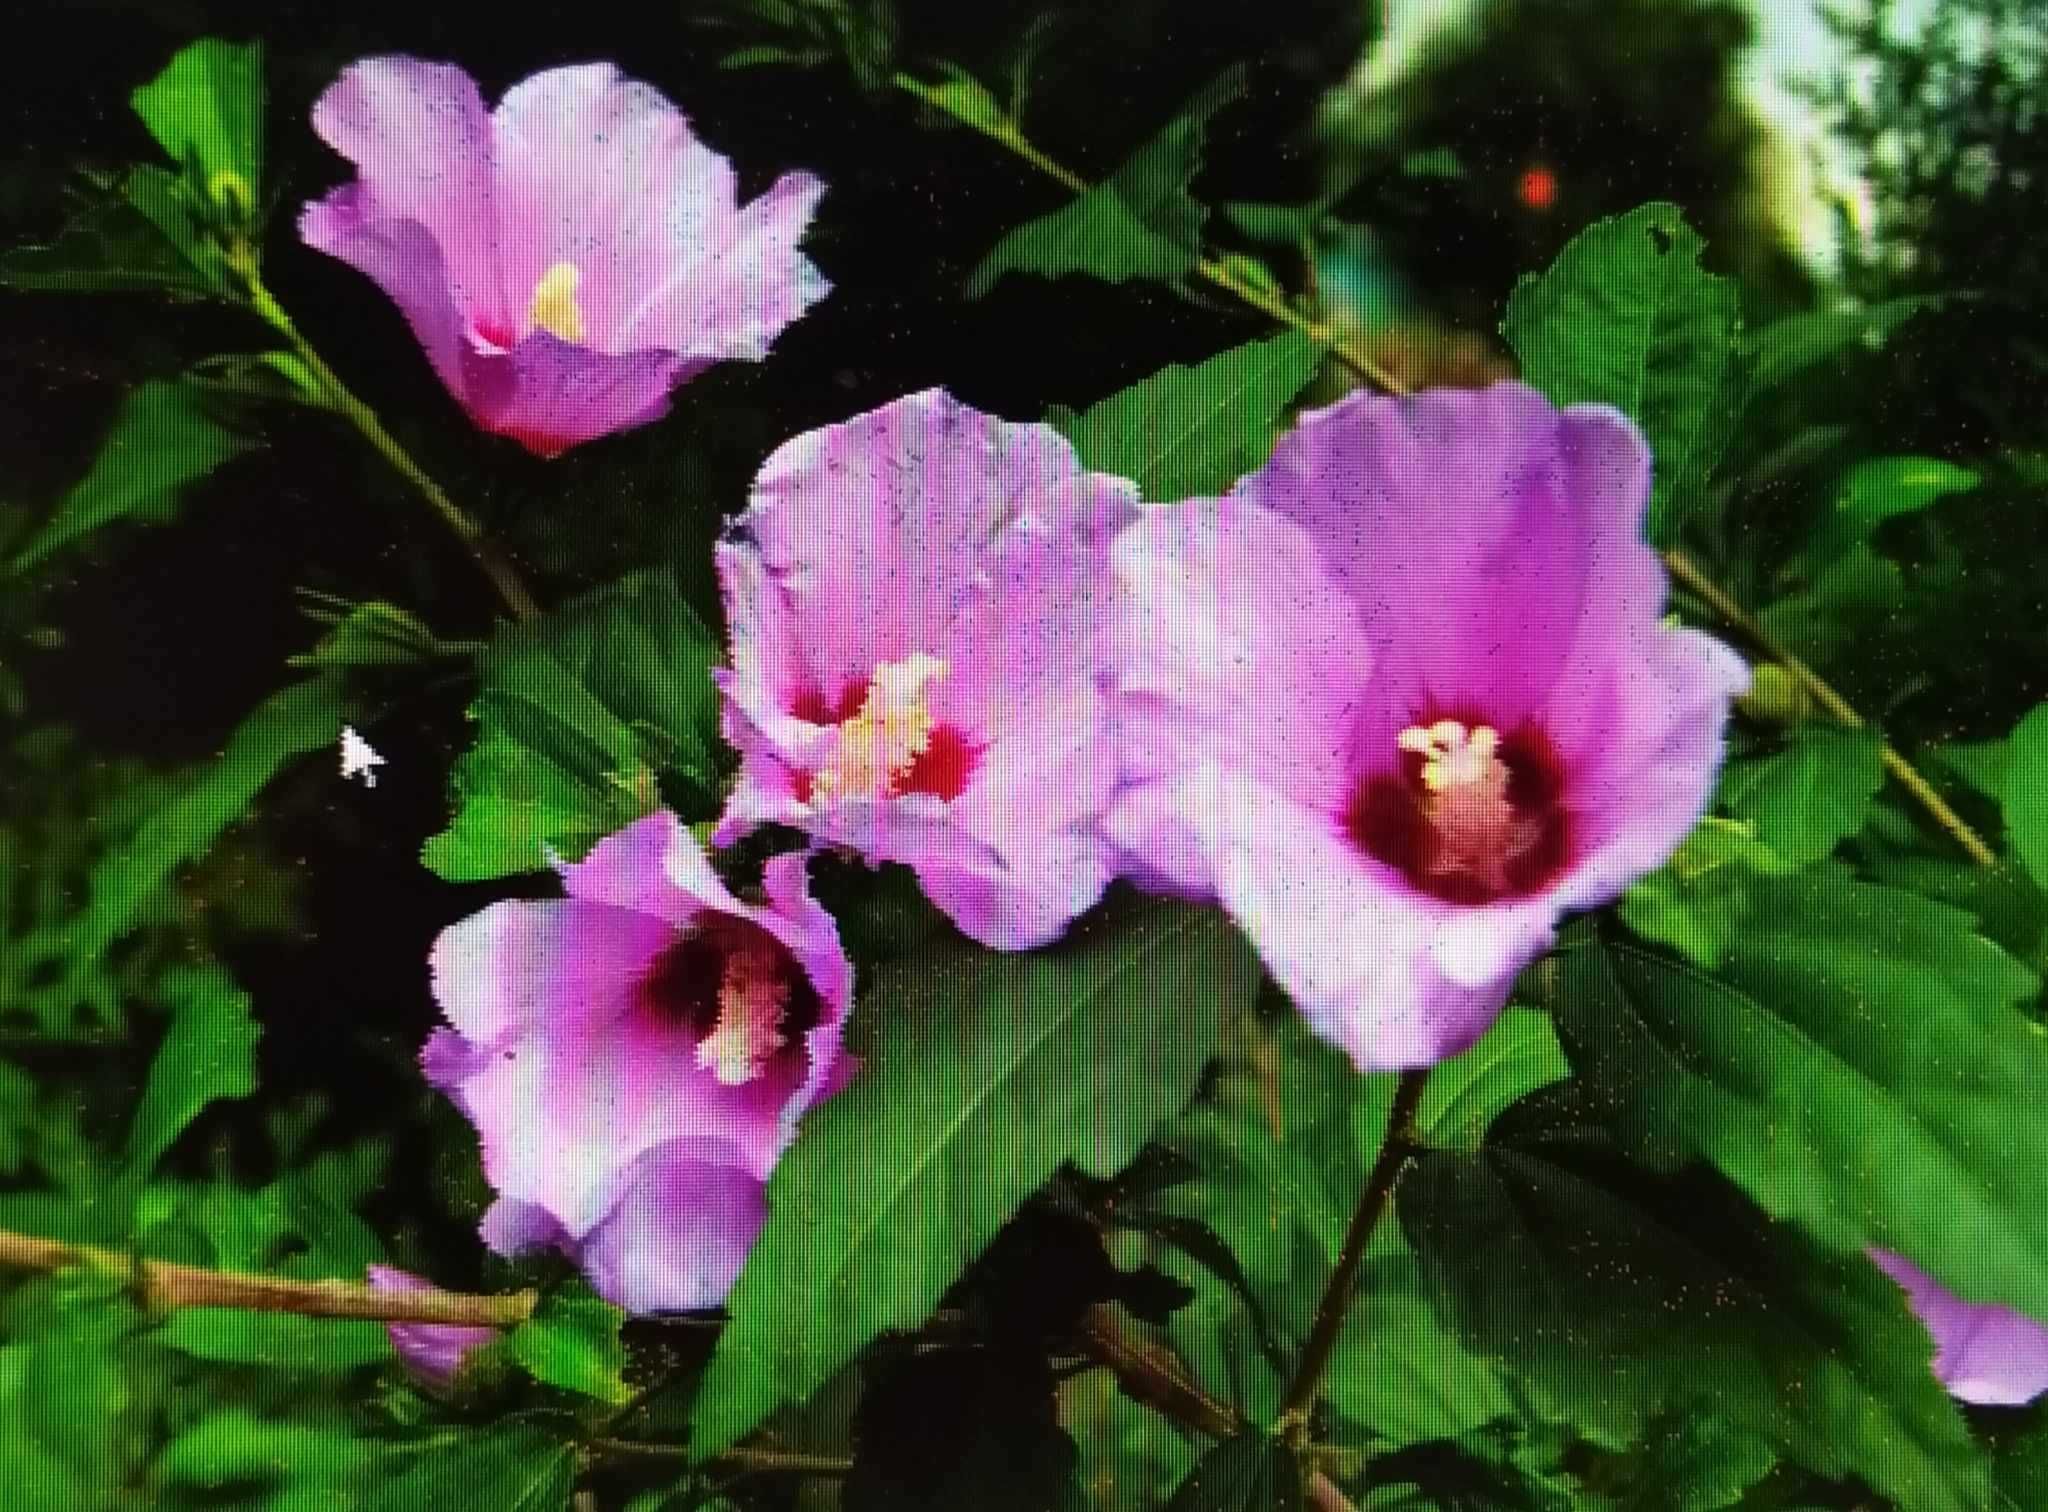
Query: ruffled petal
653,866
737,280
420,138
1983,1353
680,1232
877,529
1465,526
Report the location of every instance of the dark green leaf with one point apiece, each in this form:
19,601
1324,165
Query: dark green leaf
1810,795
1794,343
1857,1067
1627,316
1252,1472
162,439
209,1053
1879,489
1620,1298
301,718
572,1341
1195,430
206,110
995,1412
1140,223
986,1074
140,242
2025,788
586,720
1854,597
1698,899
377,634
508,1467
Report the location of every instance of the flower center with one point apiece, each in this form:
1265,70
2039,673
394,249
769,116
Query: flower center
554,308
1469,815
890,744
751,997
737,991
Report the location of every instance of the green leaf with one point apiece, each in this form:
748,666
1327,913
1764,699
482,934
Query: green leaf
1878,490
1857,1067
209,1054
1627,316
987,1072
507,1467
1195,430
586,721
141,242
290,723
1811,795
162,440
1252,1472
1698,899
2025,788
1855,596
1467,1092
235,1447
377,634
572,1341
1792,344
1619,1298
1139,223
206,110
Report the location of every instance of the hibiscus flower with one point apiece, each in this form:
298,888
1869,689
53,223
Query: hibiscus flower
918,600
1404,697
635,1057
567,259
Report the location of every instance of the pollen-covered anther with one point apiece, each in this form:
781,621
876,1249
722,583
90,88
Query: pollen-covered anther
753,994
554,308
885,738
1478,828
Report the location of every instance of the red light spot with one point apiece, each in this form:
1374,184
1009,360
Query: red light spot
1537,188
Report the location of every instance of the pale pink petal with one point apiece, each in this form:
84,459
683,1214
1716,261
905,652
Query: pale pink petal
433,1354
420,138
676,1239
1983,1353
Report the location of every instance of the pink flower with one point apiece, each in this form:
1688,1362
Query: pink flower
1404,697
432,1353
567,259
1983,1353
635,1057
918,599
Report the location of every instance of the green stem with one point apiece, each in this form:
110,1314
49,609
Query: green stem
741,1457
162,1286
241,258
1395,1152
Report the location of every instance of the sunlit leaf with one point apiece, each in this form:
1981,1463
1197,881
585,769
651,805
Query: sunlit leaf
1810,795
1627,316
209,1053
572,1341
206,110
986,1074
586,720
1856,1065
1195,430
